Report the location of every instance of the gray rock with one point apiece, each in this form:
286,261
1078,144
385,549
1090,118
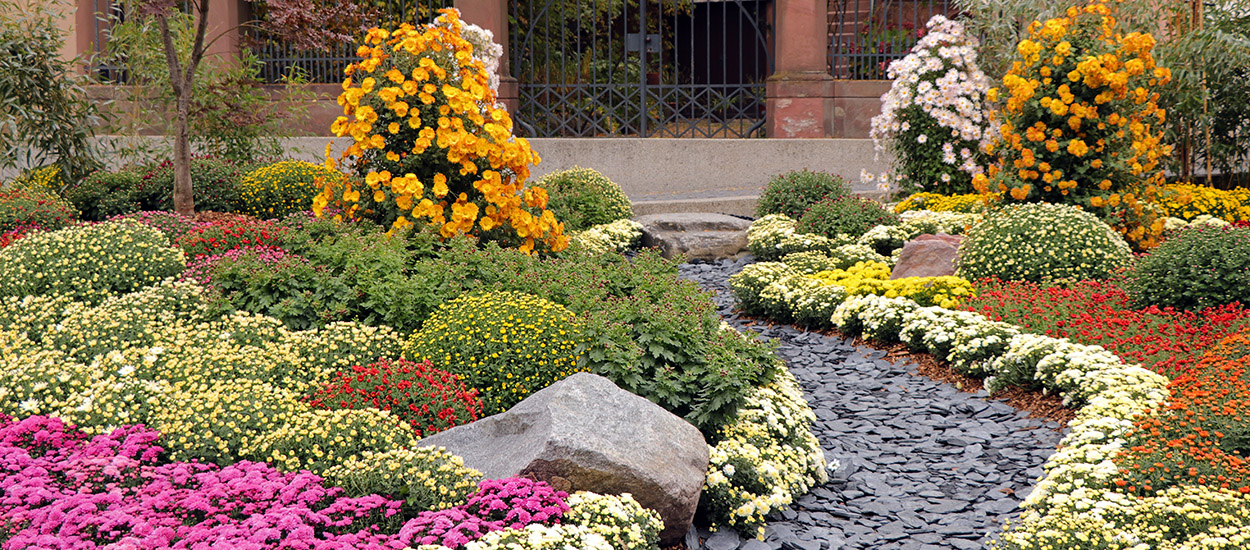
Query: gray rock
932,257
697,236
725,539
586,434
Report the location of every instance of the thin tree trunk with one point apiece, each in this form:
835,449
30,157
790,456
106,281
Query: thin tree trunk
184,200
182,79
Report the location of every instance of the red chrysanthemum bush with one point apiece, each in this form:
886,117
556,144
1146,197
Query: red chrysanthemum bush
1167,341
1201,435
428,399
220,236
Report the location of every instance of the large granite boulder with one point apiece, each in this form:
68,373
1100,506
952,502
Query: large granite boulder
698,236
586,434
928,256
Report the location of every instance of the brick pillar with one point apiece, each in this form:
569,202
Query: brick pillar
492,15
801,89
226,16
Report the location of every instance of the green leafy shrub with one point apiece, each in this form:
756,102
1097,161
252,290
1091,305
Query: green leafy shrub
582,198
103,194
426,478
214,185
268,281
284,187
1199,267
847,215
792,193
1041,242
508,345
25,206
88,263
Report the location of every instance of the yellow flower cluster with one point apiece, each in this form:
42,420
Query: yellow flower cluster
316,440
620,520
88,263
428,478
1187,201
47,178
284,187
874,278
431,143
969,203
506,344
1178,518
1078,123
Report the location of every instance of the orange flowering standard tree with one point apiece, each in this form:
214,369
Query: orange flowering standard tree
431,143
1079,122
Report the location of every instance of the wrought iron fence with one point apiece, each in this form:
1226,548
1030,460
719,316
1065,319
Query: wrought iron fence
107,14
664,68
866,35
278,59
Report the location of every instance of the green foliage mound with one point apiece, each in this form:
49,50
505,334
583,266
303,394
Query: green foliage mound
1202,266
214,185
508,345
792,193
23,206
582,198
1041,242
88,263
103,194
846,215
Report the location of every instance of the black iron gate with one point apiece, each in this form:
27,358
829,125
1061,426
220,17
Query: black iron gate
652,68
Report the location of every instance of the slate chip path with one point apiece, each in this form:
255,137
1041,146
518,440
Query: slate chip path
923,465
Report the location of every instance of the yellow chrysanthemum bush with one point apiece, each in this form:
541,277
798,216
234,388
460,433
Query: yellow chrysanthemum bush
1079,122
506,344
935,202
432,144
1188,201
284,187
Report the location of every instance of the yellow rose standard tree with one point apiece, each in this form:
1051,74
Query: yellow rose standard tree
1080,122
431,143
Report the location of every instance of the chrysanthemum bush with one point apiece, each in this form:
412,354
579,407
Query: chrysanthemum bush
937,202
281,188
432,145
766,457
618,236
223,235
1079,123
88,263
1199,267
425,478
1041,242
430,400
792,193
582,198
34,206
1189,201
506,344
850,215
934,120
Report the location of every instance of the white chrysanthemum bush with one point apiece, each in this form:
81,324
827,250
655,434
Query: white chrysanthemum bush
935,119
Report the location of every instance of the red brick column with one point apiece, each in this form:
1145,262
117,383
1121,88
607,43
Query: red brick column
799,92
492,15
226,16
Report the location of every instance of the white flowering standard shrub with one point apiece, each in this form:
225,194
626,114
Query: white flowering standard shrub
935,118
768,445
618,236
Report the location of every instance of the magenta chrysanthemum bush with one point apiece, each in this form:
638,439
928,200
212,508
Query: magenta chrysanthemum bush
61,489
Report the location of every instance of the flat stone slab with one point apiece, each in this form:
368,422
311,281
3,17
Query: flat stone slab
697,236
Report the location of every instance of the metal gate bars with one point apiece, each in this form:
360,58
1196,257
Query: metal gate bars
643,68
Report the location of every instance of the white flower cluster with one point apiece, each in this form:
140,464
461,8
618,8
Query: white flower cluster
774,236
485,49
618,236
805,300
767,444
1171,224
937,89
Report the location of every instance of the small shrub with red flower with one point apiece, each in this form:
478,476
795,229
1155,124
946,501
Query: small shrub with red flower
21,206
221,236
428,399
8,237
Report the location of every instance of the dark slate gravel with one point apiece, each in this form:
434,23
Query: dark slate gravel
924,466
